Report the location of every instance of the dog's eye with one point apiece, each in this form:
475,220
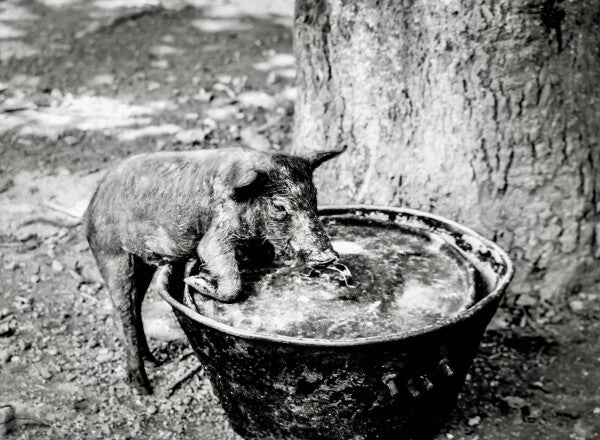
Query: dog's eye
280,210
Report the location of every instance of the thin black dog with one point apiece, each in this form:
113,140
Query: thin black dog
169,207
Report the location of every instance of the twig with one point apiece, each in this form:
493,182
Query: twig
87,295
119,20
269,124
182,379
33,421
63,210
16,109
186,354
7,318
50,221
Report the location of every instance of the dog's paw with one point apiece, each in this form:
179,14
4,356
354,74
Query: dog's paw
202,284
140,382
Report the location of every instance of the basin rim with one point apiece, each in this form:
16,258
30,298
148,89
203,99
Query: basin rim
495,294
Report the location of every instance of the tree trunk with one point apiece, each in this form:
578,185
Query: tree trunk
484,111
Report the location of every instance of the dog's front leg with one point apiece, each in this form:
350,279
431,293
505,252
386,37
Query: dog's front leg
218,254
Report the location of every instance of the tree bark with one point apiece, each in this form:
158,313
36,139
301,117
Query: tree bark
484,111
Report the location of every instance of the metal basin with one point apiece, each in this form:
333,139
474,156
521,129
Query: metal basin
394,387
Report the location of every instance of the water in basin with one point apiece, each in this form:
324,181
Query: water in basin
405,278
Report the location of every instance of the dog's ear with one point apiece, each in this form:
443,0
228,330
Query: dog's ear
317,158
247,182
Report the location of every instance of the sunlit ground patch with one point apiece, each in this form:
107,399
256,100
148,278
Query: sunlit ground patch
16,50
285,73
165,50
276,61
25,81
59,3
7,32
159,323
224,11
81,112
151,130
10,11
288,94
104,79
34,193
220,25
222,113
115,4
255,98
283,21
280,11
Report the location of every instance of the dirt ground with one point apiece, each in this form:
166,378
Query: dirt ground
84,83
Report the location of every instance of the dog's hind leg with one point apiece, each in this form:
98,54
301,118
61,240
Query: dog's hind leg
143,274
118,272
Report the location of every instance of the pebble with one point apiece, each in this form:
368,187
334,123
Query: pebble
281,75
525,300
25,235
222,113
515,402
152,85
152,409
534,413
224,78
24,303
5,329
576,305
45,374
597,410
82,246
70,140
5,356
474,421
7,413
203,96
160,64
7,420
57,266
104,356
191,116
183,100
10,265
